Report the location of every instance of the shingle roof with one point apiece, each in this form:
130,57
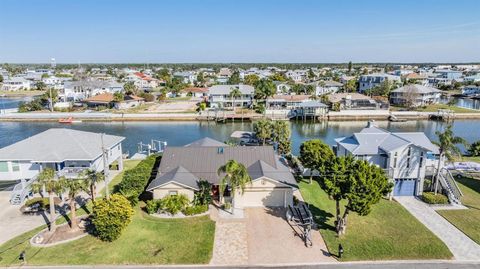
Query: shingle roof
226,89
179,175
58,145
206,142
203,162
416,88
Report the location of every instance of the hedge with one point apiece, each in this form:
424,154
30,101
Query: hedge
110,217
195,210
136,179
431,198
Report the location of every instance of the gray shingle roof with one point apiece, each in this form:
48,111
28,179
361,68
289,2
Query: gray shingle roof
179,175
206,142
203,163
416,88
226,89
58,145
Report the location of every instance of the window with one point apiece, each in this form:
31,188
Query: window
421,159
172,192
3,167
15,166
395,160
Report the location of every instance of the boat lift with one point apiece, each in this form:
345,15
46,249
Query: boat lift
301,217
155,146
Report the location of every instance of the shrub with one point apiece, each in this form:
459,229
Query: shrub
431,198
111,217
195,210
474,149
42,203
153,206
135,180
175,203
204,195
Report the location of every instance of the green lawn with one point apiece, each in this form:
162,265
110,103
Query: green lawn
468,220
147,240
389,232
456,109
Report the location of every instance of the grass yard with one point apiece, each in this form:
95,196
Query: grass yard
147,240
389,232
468,220
456,109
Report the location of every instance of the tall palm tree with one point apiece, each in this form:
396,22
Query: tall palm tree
263,130
447,148
91,178
48,181
73,187
236,176
234,93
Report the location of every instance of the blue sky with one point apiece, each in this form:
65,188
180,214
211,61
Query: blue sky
109,31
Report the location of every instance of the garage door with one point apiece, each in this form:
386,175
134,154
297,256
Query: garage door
261,198
404,187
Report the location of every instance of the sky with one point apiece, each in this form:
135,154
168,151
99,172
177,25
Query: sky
241,31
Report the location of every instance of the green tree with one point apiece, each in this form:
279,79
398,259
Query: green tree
1,78
118,97
92,178
234,94
204,194
73,187
235,176
447,147
130,88
47,181
200,79
359,183
163,74
40,86
350,67
316,155
278,77
110,217
350,86
474,149
311,75
234,78
263,130
251,79
175,203
264,89
281,135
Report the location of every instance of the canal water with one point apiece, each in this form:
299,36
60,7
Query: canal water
181,133
7,103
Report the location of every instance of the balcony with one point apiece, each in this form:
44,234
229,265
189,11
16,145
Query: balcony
71,172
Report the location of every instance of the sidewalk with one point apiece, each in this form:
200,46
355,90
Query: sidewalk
462,247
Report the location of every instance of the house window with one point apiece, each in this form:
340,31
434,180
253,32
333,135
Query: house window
395,160
421,159
15,166
3,167
172,192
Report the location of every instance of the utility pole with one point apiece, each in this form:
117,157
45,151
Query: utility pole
105,168
51,100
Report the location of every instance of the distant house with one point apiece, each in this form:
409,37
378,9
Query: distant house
194,92
282,87
16,84
142,81
415,95
219,95
295,106
367,82
416,78
448,74
406,157
471,90
108,100
296,75
82,89
187,77
355,101
181,169
326,87
284,101
472,79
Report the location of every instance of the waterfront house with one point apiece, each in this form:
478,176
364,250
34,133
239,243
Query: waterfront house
82,89
295,106
472,78
181,169
67,151
407,157
414,95
16,84
187,77
194,92
107,100
219,96
326,87
367,82
355,101
471,90
448,74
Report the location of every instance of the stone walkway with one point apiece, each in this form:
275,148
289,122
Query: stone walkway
230,245
461,246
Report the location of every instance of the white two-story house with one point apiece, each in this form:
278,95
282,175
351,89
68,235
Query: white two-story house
83,89
406,157
367,82
16,84
220,95
415,95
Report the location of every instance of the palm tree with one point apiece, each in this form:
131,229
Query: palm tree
236,176
91,178
47,181
234,93
73,187
263,130
447,148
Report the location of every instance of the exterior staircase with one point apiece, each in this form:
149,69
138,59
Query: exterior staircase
447,181
21,191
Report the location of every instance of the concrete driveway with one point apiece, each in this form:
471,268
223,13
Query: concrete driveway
12,222
271,240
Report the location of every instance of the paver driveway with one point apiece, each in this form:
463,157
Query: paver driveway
271,240
461,246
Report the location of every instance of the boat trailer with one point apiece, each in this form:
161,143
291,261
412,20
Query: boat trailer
301,217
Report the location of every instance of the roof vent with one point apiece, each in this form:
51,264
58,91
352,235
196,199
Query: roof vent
220,150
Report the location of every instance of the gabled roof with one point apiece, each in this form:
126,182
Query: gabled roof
416,89
206,142
58,145
226,89
179,175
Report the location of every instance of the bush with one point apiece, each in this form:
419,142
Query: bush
431,198
111,217
195,210
41,203
175,203
474,149
153,206
204,195
136,179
